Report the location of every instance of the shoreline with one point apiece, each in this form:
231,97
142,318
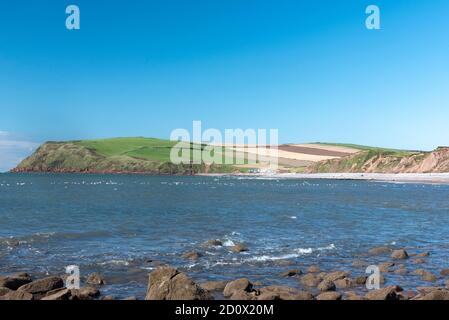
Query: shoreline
428,178
434,178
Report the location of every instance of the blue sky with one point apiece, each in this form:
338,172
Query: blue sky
143,68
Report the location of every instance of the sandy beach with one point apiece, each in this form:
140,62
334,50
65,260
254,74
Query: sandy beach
439,178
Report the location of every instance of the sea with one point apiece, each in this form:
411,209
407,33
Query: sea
125,226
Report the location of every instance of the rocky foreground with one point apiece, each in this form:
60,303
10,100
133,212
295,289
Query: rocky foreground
168,283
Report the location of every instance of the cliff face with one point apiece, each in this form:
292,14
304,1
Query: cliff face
379,162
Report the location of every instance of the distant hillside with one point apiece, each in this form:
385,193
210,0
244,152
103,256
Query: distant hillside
378,160
117,155
152,156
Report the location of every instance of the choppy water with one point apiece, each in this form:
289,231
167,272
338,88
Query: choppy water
123,226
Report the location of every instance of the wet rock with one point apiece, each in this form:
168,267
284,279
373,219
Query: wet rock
329,295
95,279
326,285
399,254
353,296
132,298
192,255
313,269
237,285
59,294
4,290
242,295
344,283
239,247
440,294
291,273
40,287
380,250
310,280
387,293
426,289
423,254
15,281
444,272
283,293
418,261
214,285
407,295
167,283
428,276
108,298
361,280
385,266
336,275
17,295
212,243
86,293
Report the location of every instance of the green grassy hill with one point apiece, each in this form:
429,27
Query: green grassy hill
143,155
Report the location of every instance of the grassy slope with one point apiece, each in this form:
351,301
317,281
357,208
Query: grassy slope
141,148
358,161
117,154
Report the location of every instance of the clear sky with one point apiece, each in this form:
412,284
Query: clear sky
143,68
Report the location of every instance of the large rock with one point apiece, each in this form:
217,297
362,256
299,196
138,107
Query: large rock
15,281
40,287
59,294
329,295
399,254
95,279
350,295
4,290
313,269
242,295
214,285
344,283
337,275
283,293
380,250
310,280
167,283
440,294
86,293
387,293
361,280
237,285
17,295
326,285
